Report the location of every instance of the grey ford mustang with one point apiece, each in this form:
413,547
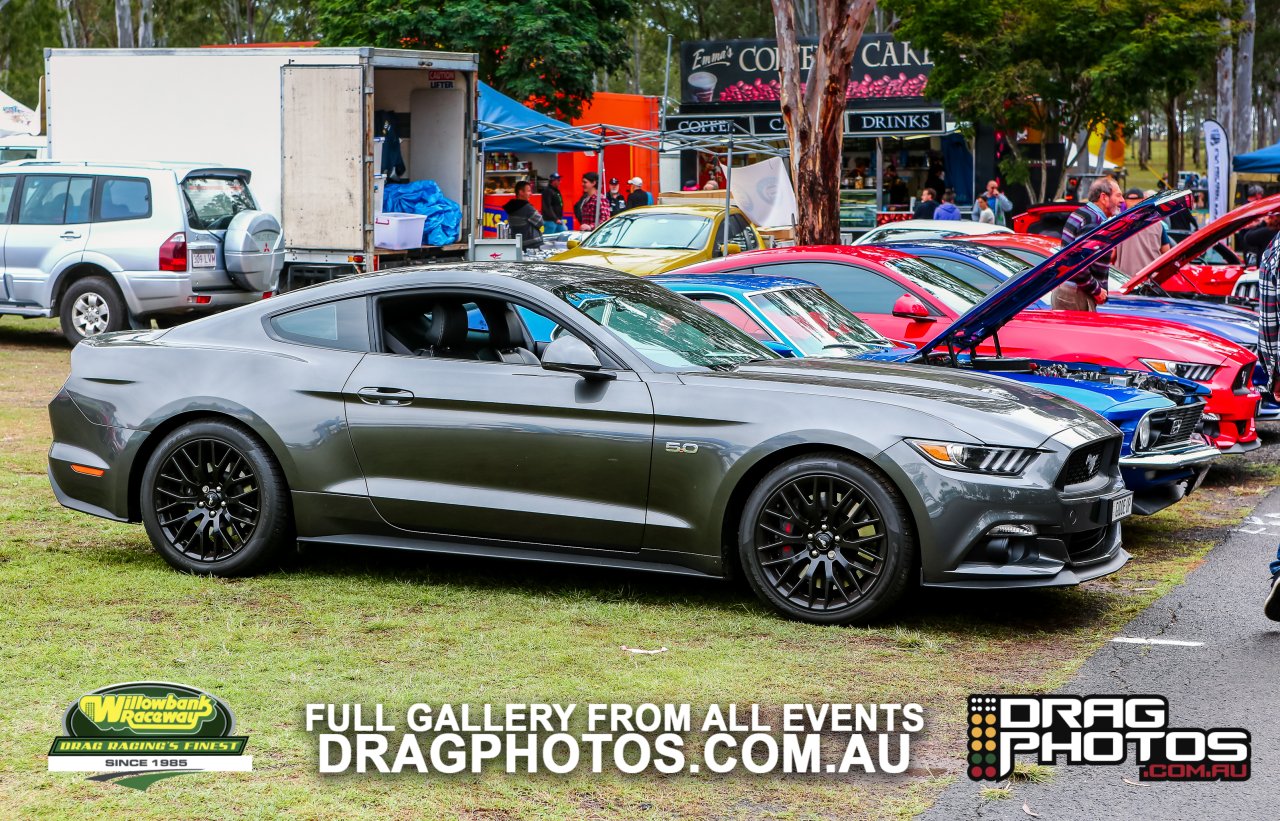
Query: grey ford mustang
412,409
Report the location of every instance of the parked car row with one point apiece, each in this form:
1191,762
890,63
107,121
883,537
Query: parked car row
574,414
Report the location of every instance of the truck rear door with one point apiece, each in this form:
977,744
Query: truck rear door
325,148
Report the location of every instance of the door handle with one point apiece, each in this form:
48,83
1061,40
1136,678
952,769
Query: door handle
385,396
70,235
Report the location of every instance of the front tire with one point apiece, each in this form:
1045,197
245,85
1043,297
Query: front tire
214,501
92,306
825,539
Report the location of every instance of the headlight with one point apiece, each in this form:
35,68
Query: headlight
1195,371
996,461
1142,436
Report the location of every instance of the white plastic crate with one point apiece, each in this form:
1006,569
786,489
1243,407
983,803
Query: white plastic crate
398,232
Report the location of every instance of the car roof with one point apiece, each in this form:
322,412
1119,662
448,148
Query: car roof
181,169
955,226
847,254
699,209
746,283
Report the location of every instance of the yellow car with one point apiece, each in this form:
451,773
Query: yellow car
655,239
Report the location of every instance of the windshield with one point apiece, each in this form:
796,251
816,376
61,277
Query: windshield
900,234
666,231
212,202
663,327
957,295
817,324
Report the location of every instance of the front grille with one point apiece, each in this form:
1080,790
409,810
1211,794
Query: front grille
1245,292
1177,425
1196,373
1085,463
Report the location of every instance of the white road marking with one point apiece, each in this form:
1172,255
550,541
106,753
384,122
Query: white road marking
1172,642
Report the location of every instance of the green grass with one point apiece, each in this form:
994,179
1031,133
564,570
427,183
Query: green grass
87,603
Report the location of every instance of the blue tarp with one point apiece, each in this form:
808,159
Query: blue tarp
444,216
1262,161
548,135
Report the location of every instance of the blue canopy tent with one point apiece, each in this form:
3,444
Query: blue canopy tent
1262,161
506,125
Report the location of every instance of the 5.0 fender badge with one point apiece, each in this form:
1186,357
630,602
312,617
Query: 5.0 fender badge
682,447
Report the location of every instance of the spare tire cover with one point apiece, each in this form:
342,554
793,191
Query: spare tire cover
254,250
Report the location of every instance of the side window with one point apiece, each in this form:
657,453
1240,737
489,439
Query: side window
474,327
857,289
44,199
963,271
7,184
734,314
123,198
740,232
342,325
79,200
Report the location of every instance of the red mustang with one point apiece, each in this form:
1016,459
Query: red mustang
1201,266
909,300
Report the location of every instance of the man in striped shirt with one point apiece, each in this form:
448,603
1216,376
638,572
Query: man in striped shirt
1088,289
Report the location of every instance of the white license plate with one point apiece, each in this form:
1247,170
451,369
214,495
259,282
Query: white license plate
1121,506
204,259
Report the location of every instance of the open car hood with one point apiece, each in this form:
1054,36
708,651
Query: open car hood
1168,263
1017,293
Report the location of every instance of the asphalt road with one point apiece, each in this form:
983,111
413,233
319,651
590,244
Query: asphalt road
1230,680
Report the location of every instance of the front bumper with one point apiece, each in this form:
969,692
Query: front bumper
1075,538
1161,477
150,293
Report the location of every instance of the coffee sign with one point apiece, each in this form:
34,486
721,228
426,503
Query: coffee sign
746,71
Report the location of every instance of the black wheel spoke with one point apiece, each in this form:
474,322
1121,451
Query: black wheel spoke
205,481
819,540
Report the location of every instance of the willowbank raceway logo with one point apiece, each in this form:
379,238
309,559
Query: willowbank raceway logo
138,733
1099,730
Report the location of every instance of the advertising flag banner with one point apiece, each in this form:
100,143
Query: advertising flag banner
763,192
16,118
1218,155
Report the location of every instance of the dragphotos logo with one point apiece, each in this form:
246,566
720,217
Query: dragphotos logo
1100,729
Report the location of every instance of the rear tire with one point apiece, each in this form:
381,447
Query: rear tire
92,306
826,539
214,501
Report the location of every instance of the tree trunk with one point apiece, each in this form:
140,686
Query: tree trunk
814,116
1174,137
124,24
146,29
1225,103
1243,114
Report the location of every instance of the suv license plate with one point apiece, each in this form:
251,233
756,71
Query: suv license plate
204,259
1121,506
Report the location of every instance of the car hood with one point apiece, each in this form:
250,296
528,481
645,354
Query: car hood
1240,330
639,261
1136,336
1168,263
1021,291
1098,397
993,410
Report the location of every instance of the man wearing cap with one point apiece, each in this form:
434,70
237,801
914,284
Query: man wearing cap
553,205
638,195
1141,249
617,202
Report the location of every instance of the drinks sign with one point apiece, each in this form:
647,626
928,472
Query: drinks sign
746,71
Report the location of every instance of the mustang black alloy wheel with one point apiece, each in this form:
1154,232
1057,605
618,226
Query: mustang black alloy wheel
824,539
214,500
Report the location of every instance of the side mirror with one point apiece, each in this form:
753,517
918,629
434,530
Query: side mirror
779,348
909,307
573,243
569,354
732,248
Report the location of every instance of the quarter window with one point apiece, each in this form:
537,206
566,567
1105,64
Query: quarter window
342,325
7,184
740,232
124,198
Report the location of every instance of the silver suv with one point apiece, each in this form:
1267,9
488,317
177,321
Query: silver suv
106,247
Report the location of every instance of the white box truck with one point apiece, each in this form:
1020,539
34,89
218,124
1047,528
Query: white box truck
302,119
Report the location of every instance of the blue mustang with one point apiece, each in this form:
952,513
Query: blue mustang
796,318
984,268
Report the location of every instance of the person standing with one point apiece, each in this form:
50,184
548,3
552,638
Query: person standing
593,208
1088,289
927,205
638,195
1141,249
997,202
982,212
948,209
1269,352
525,220
617,202
553,205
